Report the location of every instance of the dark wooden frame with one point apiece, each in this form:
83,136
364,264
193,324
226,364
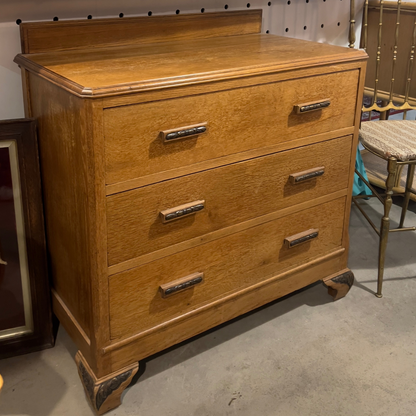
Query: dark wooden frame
24,132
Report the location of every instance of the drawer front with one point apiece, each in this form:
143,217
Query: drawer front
236,120
198,276
230,195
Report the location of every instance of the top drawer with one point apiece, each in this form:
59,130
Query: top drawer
237,120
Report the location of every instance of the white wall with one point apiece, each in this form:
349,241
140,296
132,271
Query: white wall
276,18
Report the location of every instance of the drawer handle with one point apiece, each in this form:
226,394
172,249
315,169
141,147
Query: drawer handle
317,105
181,211
300,238
183,132
181,284
306,175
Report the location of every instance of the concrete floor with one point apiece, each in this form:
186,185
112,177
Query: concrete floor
303,355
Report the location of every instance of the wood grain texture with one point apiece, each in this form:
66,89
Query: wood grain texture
230,264
223,232
71,325
204,88
138,346
23,132
26,93
232,194
72,157
125,70
224,160
86,34
67,190
100,111
250,118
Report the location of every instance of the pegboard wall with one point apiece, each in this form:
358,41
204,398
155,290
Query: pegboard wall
319,20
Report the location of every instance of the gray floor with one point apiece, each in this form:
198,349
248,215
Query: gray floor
303,355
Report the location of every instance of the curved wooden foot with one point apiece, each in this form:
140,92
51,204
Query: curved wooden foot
104,393
339,285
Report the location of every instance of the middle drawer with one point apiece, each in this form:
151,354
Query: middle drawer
231,194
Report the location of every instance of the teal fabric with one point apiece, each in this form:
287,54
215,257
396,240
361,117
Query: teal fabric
360,188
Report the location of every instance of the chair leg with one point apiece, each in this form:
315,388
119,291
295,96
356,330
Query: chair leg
385,222
398,176
409,182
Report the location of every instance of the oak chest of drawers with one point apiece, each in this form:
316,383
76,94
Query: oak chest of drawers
193,169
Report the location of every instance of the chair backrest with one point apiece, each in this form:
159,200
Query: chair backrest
389,36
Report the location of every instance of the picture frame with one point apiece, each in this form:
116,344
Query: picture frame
25,306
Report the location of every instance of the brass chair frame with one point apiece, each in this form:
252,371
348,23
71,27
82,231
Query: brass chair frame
394,166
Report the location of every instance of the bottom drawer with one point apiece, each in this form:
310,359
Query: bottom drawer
227,265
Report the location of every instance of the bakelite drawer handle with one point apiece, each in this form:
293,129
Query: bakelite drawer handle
300,238
183,132
181,211
306,175
313,106
181,284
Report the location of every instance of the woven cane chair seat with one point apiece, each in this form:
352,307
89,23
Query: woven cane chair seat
390,138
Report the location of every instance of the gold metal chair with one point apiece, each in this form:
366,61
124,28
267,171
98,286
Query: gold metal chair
388,83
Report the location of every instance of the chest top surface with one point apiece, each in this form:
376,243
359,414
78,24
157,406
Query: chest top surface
123,69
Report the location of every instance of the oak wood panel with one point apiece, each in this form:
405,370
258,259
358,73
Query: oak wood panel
229,264
203,88
223,232
232,194
118,76
26,93
141,345
84,34
224,160
67,192
249,118
92,128
125,70
71,325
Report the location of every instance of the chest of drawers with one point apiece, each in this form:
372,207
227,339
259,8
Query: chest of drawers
193,169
